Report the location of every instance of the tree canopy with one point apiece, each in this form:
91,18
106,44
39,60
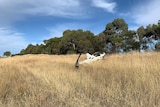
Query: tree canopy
114,39
7,53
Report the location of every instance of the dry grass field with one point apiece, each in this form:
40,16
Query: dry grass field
129,80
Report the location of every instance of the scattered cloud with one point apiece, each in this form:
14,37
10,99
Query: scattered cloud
104,4
11,41
147,12
14,10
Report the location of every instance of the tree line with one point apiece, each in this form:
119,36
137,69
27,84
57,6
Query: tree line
115,38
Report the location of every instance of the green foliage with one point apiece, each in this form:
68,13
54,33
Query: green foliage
148,35
157,47
119,25
114,39
141,32
130,42
99,42
7,53
115,34
52,45
83,41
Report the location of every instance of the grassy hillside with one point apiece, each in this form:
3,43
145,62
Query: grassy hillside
130,80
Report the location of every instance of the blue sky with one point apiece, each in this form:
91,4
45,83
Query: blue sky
24,22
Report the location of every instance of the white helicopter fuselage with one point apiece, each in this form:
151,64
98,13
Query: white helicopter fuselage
92,58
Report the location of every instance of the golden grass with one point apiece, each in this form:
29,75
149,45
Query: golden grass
130,80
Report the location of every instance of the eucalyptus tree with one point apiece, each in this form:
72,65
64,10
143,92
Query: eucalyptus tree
83,41
114,34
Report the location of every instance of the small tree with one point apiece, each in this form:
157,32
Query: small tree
7,53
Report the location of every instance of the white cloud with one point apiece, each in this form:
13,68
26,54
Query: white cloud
105,4
147,12
11,41
14,10
53,7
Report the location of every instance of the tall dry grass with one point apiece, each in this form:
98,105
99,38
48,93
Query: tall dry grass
130,80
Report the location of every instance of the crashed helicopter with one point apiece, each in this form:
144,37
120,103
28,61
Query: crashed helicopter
90,58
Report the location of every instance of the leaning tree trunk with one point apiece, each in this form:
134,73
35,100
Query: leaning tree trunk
77,61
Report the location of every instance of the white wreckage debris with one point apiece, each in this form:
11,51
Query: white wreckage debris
93,57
